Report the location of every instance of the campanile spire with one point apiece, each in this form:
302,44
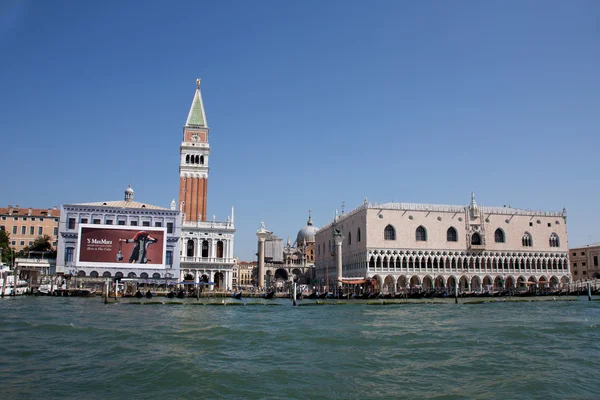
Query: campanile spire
193,165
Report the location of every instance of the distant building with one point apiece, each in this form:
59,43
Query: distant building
393,246
273,249
119,239
25,225
290,263
207,246
584,262
245,273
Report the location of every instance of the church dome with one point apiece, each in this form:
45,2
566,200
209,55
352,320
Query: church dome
306,234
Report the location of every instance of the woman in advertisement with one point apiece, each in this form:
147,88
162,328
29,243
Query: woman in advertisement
139,254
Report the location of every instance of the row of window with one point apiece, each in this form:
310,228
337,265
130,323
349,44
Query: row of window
41,219
584,263
96,221
22,243
190,250
191,159
40,230
389,233
131,275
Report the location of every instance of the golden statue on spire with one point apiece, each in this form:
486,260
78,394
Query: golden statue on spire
198,83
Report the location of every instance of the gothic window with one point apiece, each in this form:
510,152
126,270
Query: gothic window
190,248
527,240
389,233
219,249
499,236
421,234
201,159
554,241
349,238
187,159
205,248
476,239
358,235
451,235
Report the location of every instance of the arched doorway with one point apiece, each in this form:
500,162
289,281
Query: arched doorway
439,282
427,283
219,283
388,284
401,284
415,282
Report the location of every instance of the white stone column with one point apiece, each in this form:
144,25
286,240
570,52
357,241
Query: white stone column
262,234
338,255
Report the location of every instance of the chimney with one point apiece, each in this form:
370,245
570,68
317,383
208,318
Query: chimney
10,209
30,211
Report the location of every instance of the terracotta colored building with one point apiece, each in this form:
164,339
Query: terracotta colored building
585,263
24,225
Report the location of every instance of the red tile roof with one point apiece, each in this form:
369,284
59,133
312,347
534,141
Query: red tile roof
35,212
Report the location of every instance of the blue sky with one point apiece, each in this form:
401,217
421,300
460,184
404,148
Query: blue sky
310,103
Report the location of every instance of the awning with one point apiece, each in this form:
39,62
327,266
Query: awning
353,281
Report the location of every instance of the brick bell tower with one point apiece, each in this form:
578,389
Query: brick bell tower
193,165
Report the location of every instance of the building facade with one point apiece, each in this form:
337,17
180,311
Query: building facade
395,246
585,262
25,225
119,239
207,246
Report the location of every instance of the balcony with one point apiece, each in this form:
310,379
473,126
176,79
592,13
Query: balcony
206,260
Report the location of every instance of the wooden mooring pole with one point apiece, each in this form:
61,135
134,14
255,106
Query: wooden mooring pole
589,288
455,292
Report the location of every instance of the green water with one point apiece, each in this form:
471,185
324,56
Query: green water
75,347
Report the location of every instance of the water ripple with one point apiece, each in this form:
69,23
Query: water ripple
55,347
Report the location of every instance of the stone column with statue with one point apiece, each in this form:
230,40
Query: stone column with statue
338,238
262,234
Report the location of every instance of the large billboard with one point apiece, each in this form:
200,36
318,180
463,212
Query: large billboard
107,245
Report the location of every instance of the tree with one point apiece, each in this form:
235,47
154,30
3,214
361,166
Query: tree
5,247
41,244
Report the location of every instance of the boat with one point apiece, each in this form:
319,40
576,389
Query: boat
171,295
138,294
269,295
7,286
237,295
312,296
323,295
148,294
181,294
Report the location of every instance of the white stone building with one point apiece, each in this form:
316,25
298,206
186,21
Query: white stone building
395,246
130,215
